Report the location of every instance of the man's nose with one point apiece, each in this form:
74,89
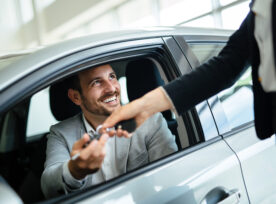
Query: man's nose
109,86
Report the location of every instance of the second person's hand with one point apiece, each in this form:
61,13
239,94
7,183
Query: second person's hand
140,110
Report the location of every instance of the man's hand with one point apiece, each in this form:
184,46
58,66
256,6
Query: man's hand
90,158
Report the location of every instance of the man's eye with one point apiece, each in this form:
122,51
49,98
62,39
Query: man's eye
96,83
113,76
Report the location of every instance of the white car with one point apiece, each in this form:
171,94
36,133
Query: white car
220,159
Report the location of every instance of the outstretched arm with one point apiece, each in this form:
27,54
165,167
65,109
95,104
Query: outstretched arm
190,89
140,109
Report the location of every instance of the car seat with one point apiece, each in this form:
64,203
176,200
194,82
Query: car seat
61,106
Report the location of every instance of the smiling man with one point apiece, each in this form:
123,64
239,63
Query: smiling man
97,92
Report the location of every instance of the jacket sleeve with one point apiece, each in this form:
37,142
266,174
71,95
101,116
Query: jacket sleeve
218,73
57,155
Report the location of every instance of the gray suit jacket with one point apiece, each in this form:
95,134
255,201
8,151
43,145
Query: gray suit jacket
151,141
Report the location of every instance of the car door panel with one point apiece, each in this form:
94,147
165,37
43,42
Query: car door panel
187,179
233,114
258,161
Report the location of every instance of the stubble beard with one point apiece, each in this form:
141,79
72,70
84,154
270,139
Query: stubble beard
94,111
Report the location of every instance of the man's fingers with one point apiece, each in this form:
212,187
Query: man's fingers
88,150
81,142
104,137
95,148
98,152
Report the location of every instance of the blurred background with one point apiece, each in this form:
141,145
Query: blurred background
27,24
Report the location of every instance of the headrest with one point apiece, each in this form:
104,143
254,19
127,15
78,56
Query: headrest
61,106
143,76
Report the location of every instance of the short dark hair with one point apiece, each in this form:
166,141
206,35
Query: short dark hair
73,82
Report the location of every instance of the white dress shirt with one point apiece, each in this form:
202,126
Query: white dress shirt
264,37
108,170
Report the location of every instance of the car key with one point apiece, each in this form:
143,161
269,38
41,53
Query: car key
128,125
96,135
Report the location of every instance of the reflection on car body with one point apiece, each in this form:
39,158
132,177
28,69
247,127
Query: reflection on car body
219,153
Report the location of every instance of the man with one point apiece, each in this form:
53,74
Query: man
97,92
254,43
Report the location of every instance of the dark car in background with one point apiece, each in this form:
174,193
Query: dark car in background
220,159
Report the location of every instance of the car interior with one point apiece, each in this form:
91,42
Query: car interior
22,159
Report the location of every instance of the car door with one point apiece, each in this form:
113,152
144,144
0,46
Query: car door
258,162
204,170
201,172
234,117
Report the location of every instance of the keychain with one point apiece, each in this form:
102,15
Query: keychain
128,125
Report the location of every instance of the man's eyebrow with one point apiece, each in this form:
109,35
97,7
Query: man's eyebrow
97,78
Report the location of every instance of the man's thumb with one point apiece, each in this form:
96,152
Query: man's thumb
80,143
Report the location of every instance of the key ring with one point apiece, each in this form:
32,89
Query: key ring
98,128
107,129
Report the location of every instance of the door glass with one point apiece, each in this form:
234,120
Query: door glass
236,101
204,51
40,117
207,122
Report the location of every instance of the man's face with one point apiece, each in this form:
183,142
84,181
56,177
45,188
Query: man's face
100,91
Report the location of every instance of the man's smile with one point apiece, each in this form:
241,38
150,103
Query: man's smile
110,100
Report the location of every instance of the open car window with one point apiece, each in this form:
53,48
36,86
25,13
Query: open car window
36,114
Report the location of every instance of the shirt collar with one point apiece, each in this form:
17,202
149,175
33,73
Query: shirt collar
89,129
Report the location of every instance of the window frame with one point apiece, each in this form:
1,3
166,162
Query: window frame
183,42
56,70
215,105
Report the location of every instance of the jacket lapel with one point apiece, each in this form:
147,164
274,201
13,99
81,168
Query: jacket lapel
82,127
82,131
122,146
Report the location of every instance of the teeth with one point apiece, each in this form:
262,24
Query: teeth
110,99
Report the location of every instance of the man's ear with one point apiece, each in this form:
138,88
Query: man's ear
74,96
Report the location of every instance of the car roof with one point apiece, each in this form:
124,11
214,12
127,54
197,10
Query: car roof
41,57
